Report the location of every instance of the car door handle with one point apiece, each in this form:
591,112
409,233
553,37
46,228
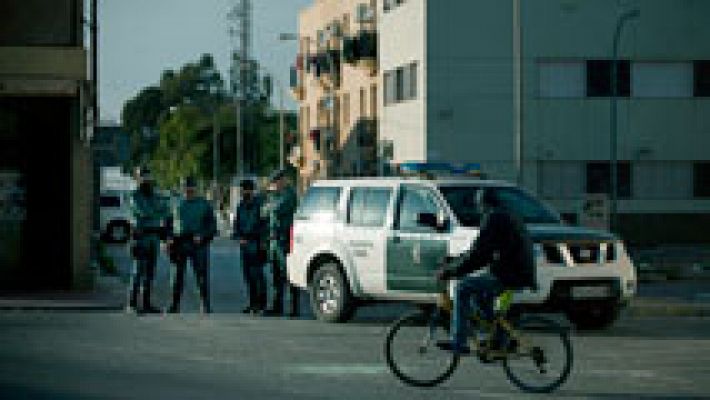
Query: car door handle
361,243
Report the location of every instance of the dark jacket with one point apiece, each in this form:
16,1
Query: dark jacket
248,223
505,246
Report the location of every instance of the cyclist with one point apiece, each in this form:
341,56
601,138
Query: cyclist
505,247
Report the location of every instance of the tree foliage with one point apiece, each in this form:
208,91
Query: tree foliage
171,124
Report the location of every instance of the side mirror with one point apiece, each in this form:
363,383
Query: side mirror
433,221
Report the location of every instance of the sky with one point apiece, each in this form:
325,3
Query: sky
139,39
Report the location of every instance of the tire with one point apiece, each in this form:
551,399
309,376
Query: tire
593,316
542,343
118,232
412,354
331,299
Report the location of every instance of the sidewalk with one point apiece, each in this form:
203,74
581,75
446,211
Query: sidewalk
108,295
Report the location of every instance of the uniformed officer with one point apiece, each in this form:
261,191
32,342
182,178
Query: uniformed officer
249,229
279,210
149,214
194,228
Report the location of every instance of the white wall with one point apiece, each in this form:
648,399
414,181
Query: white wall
402,41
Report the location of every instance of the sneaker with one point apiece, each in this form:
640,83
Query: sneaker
248,310
453,347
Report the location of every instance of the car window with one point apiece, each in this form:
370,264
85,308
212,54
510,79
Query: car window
110,201
319,203
462,200
368,206
413,201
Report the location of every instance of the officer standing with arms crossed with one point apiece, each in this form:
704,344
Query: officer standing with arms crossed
195,226
149,213
249,230
279,210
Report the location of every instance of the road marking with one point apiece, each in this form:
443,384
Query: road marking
336,369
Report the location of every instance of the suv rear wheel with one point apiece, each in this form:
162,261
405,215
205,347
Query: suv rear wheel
118,231
331,299
593,316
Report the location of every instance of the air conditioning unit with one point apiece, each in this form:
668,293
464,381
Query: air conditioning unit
365,14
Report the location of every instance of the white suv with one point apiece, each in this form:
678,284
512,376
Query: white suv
373,239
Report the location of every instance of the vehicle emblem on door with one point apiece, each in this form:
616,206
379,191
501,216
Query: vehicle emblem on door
417,253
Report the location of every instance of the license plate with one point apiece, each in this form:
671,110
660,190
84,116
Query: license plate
590,292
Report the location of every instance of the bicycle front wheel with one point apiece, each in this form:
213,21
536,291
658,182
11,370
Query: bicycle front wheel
540,359
411,351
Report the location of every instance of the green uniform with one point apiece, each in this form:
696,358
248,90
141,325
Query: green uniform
193,218
279,211
149,212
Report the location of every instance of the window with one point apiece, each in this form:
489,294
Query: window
412,81
399,84
414,201
362,102
463,202
701,84
599,78
368,206
599,174
701,179
662,79
373,101
320,203
388,5
390,87
563,79
110,201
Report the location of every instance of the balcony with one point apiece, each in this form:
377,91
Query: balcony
325,66
361,50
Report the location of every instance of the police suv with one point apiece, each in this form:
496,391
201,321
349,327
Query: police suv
375,239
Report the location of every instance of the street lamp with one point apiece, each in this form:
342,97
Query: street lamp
623,19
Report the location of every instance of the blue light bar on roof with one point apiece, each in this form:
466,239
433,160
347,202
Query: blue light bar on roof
439,168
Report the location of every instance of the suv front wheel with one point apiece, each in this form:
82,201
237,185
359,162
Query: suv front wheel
331,299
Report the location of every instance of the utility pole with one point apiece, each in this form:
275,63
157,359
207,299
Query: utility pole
613,209
518,91
240,33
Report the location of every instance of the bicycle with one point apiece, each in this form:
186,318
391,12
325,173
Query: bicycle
528,348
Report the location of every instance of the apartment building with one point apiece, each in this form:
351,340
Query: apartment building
335,80
447,91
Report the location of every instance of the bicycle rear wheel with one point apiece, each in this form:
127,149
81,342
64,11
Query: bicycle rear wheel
411,351
541,359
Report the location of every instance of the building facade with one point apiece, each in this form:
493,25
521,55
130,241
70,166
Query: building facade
335,80
447,88
45,161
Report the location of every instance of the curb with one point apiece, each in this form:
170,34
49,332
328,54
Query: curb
664,309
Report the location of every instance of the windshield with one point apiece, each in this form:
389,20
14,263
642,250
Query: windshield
462,200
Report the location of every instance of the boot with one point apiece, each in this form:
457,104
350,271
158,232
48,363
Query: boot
147,306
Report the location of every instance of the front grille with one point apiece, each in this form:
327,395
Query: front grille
584,253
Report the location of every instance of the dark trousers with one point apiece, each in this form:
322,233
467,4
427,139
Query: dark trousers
253,270
278,266
199,259
478,292
143,271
